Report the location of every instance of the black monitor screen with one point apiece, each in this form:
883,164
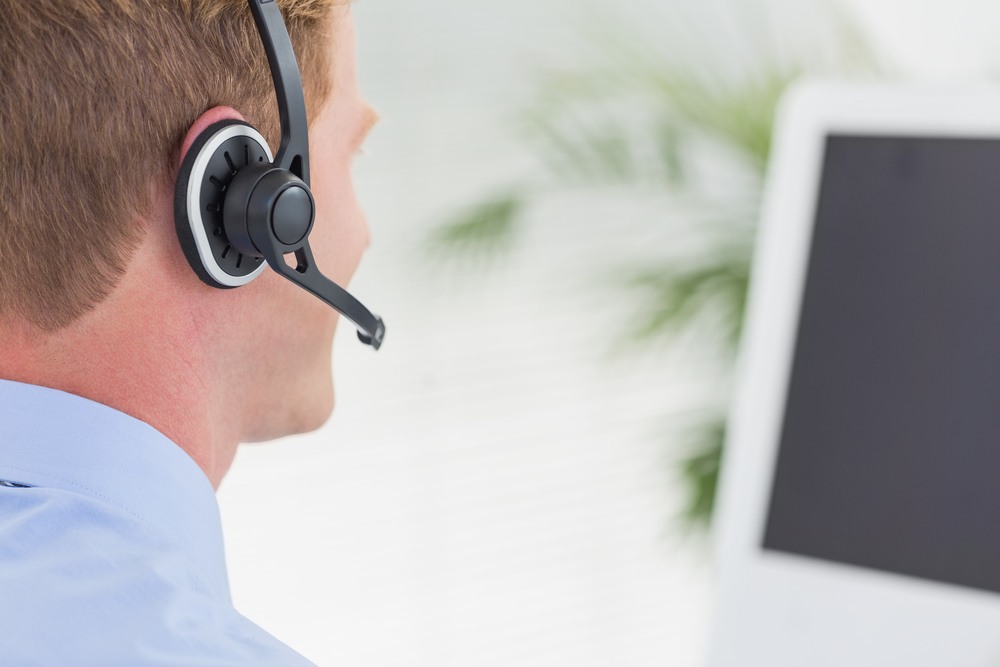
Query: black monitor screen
889,455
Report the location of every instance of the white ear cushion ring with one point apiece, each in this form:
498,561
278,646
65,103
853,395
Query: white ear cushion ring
194,208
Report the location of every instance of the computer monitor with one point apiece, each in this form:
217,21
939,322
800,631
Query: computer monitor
859,507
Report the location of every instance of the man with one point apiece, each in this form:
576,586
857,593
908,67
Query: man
126,383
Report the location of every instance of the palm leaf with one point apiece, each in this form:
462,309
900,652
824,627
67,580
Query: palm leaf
483,229
700,470
677,298
740,115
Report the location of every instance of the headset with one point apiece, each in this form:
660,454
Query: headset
237,210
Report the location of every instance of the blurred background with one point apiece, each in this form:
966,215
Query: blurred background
563,197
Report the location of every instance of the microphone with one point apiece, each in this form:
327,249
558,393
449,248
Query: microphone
269,209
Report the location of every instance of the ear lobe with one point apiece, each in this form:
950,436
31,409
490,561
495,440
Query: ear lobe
210,117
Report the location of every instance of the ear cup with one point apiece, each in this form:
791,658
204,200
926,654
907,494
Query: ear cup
214,159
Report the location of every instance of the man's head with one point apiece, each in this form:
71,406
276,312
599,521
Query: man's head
101,101
97,98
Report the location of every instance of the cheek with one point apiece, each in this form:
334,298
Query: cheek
340,234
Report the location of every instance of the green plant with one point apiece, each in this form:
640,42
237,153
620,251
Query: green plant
644,119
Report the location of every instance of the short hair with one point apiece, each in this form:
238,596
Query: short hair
96,97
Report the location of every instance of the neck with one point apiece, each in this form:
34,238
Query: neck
125,355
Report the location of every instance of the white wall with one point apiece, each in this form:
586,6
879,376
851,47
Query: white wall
936,38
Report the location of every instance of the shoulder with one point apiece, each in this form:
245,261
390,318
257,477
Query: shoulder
85,582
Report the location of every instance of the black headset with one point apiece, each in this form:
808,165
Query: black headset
237,210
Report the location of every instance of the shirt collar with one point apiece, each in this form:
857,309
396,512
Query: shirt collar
49,438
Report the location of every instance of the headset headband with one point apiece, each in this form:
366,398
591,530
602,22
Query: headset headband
293,154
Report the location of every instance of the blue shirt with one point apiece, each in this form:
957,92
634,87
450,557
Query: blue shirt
111,544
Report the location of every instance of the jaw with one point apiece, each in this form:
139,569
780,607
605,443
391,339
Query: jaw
288,387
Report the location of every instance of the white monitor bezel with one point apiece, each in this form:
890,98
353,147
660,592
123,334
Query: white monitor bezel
778,609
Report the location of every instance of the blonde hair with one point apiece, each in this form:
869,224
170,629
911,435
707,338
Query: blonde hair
96,98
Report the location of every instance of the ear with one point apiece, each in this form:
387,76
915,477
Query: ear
201,183
213,115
